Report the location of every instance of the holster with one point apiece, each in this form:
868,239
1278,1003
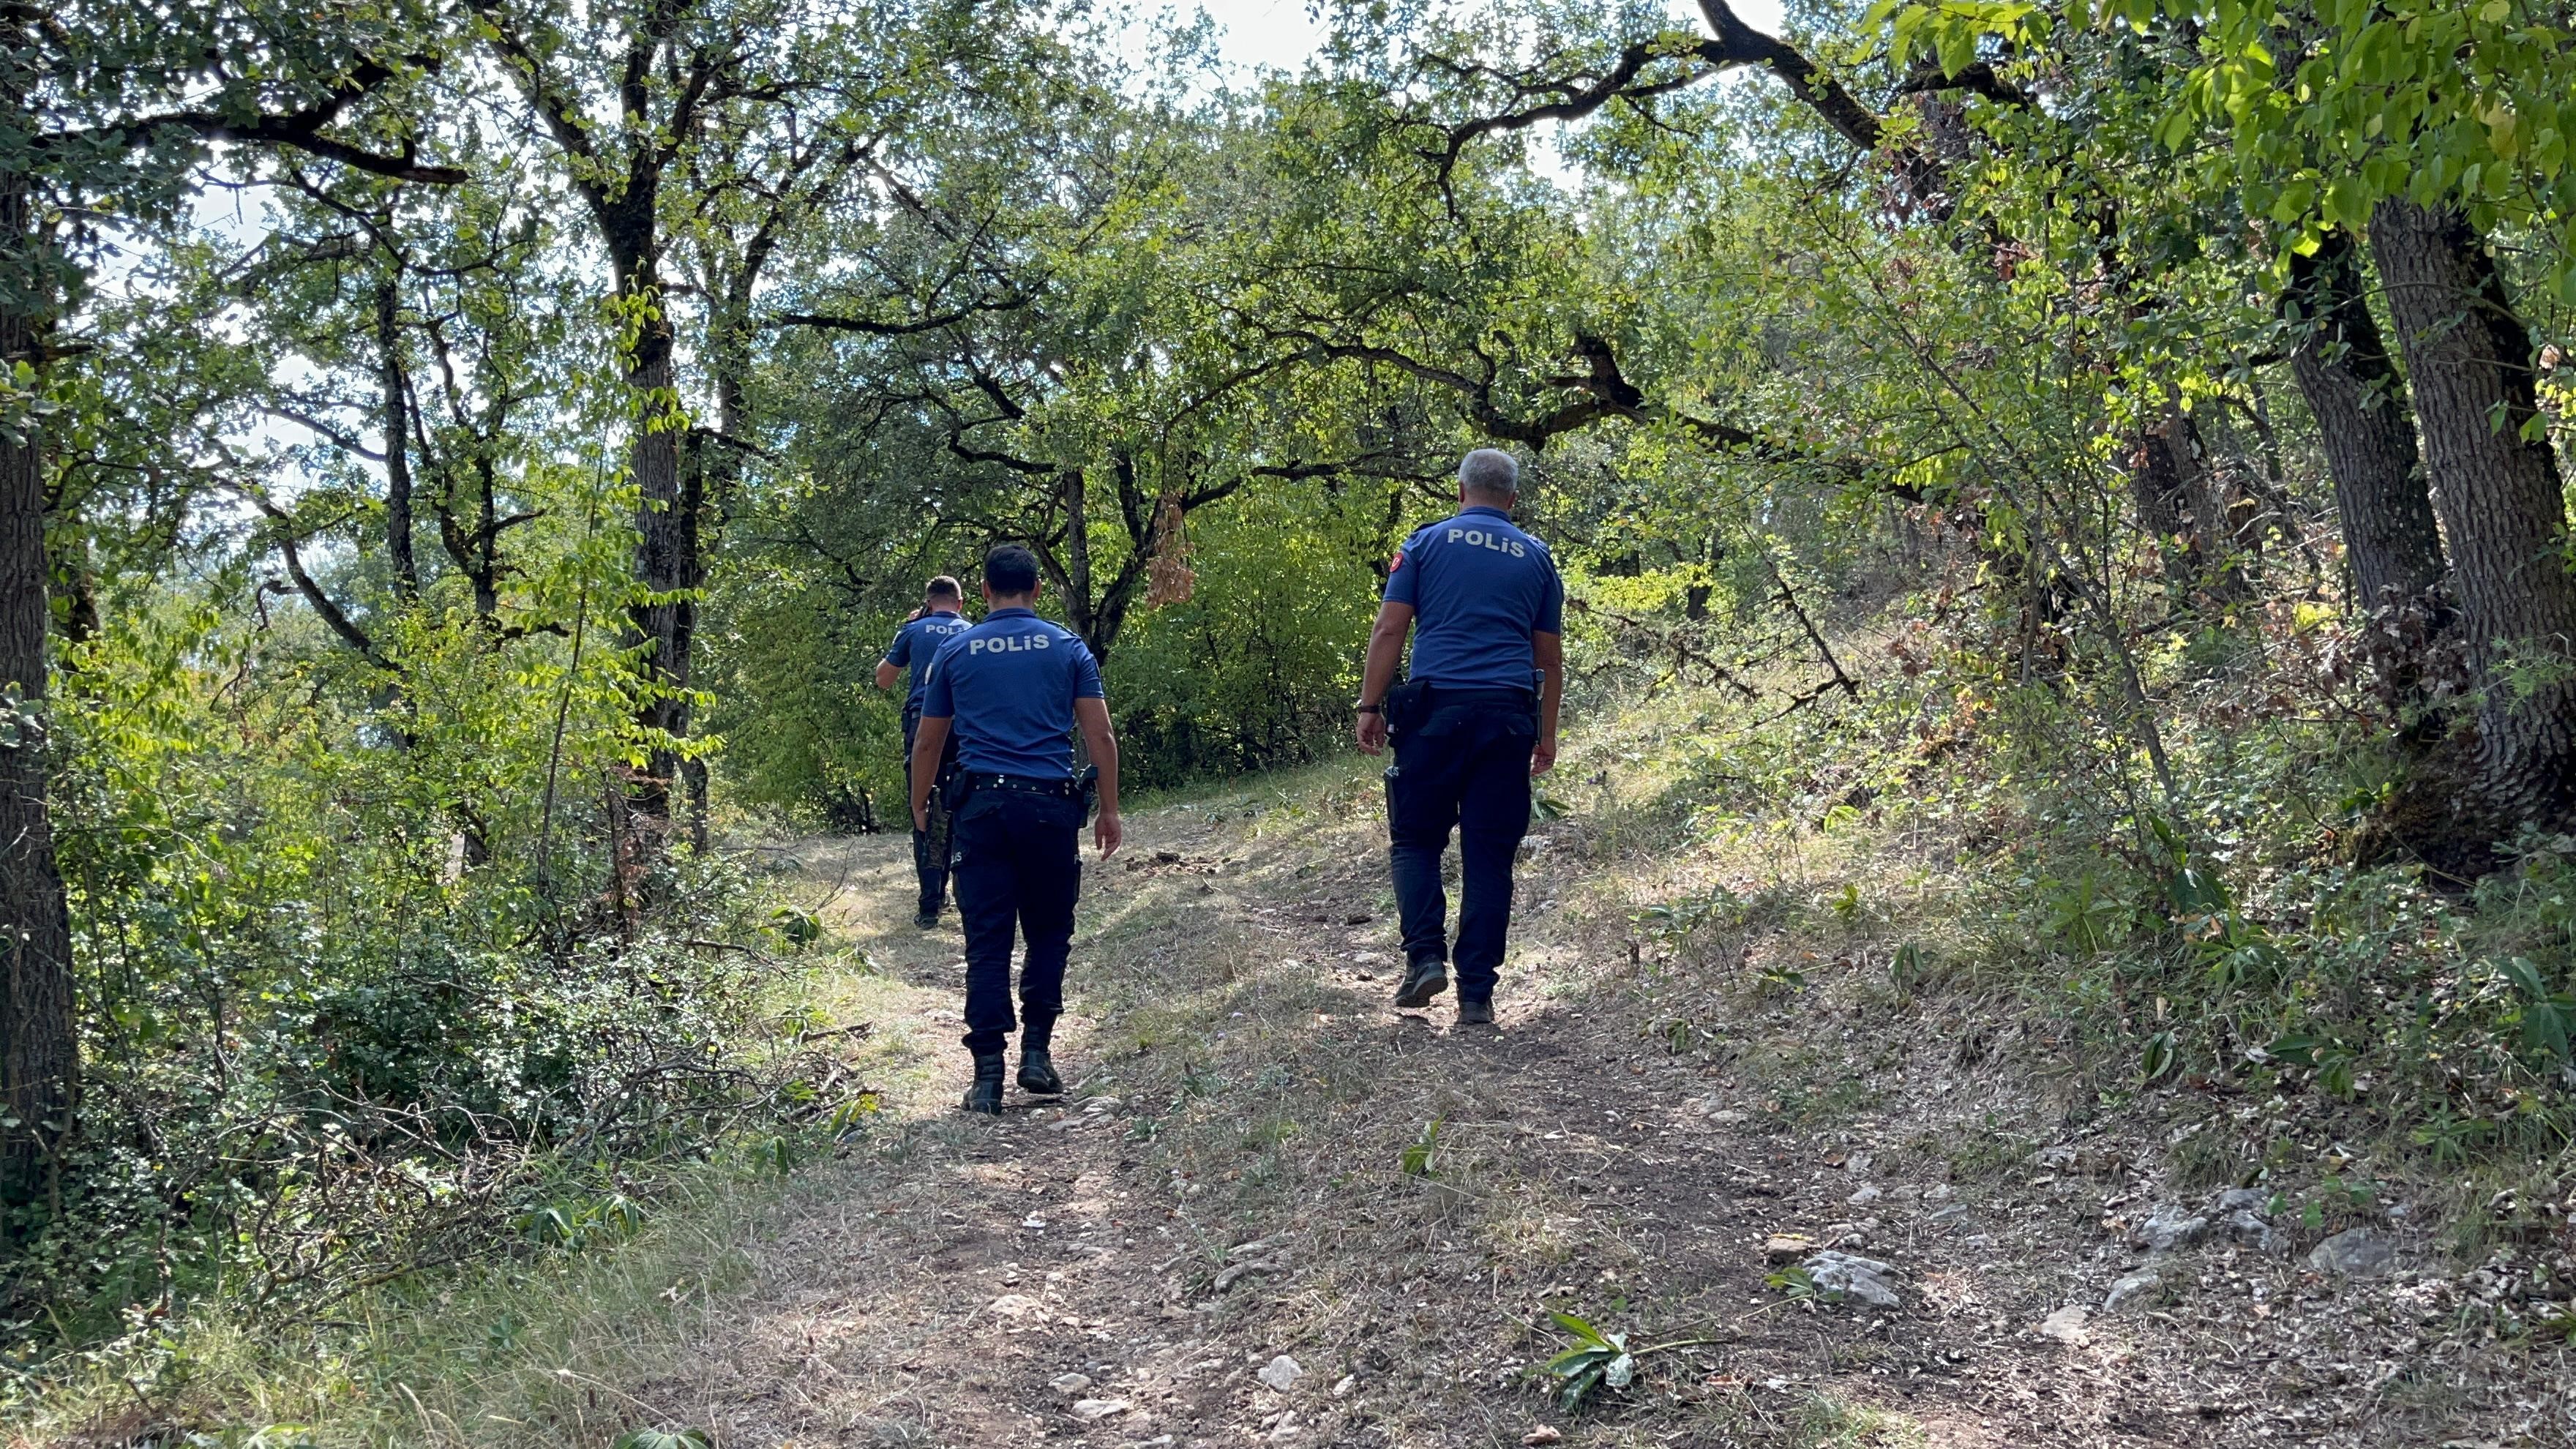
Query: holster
1408,706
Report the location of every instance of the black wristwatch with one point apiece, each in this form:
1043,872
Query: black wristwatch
1369,708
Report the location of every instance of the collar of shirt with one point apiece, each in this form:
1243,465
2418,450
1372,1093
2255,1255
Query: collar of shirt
1012,612
1485,508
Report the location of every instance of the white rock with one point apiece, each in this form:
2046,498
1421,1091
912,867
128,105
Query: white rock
1726,1117
1864,1197
1017,1305
1069,1383
2355,1253
2066,1325
2167,1228
1937,1192
1853,1277
1282,1373
2145,1280
1285,1429
1342,1390
1092,1411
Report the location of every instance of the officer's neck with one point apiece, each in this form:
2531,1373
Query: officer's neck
1025,602
944,608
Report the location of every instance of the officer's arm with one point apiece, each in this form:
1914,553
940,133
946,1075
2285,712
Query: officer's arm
1093,715
928,743
1548,650
1385,648
887,674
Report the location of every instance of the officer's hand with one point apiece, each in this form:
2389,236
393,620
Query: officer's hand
1371,733
1543,758
1107,833
921,819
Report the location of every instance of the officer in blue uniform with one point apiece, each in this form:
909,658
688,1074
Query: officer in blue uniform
1473,723
934,624
1012,690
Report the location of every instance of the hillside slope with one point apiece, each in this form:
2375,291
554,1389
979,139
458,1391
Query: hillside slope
1719,1053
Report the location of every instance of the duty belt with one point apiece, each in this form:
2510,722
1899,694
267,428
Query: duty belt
1025,785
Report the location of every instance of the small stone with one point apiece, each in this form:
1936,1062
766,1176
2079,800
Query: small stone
1092,1411
1348,1382
1100,1105
1858,1164
2354,1253
1726,1117
1853,1277
1787,1247
1947,1213
1864,1197
1282,1373
1359,918
2247,1227
1544,1434
1016,1305
2145,1280
1285,1429
1937,1192
1069,1383
2243,1199
2066,1325
2167,1228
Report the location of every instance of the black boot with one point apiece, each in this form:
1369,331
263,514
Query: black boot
1037,1074
926,915
985,1095
1423,980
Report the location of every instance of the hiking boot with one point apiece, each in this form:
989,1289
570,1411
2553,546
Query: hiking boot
1423,980
1475,1013
1037,1074
927,916
985,1096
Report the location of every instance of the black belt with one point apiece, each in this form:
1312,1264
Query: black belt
1025,785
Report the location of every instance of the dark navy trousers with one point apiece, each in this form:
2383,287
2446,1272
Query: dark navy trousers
1017,867
929,847
1466,767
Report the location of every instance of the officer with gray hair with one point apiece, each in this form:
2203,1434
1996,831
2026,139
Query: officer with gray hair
1473,722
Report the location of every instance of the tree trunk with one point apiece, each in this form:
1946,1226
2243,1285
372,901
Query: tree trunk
2352,387
665,563
397,424
39,1043
2500,499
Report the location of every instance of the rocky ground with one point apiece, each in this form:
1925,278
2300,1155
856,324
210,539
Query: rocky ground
1817,1202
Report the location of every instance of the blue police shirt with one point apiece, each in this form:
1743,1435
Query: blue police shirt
1010,683
916,642
1479,588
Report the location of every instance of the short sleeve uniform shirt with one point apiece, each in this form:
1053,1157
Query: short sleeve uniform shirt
1479,588
1009,684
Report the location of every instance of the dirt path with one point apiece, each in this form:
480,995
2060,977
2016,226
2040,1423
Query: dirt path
1261,1161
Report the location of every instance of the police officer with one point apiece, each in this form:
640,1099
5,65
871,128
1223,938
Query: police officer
1013,689
935,623
1473,723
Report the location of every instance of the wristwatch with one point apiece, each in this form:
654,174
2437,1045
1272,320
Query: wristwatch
1369,708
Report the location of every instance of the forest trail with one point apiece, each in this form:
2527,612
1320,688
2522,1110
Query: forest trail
1261,1160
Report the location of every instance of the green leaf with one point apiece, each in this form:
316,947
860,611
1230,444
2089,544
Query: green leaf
2159,1057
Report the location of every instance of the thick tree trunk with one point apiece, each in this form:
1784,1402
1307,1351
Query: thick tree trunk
397,426
666,564
2500,499
2352,387
39,1044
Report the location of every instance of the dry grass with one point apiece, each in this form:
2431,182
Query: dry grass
1664,1093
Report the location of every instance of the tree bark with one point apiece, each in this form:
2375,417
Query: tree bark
397,425
2500,499
2360,404
39,1043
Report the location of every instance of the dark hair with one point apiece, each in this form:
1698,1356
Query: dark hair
943,587
1011,570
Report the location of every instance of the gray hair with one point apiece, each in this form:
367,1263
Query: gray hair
1491,473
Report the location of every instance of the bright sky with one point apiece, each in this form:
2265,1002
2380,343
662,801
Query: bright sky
1281,33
